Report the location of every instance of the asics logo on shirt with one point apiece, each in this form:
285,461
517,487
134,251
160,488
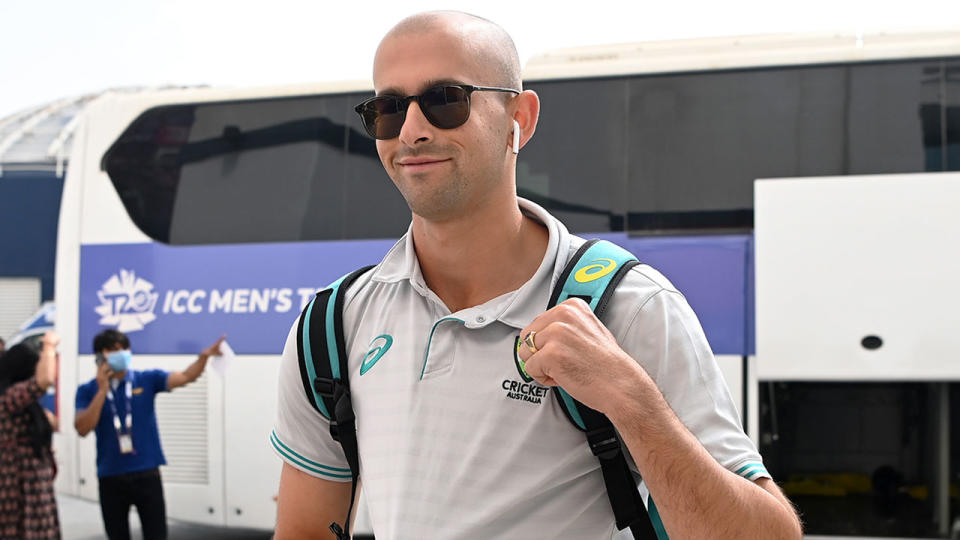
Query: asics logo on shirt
378,347
595,271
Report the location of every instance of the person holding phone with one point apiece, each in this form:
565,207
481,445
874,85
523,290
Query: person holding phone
28,507
119,406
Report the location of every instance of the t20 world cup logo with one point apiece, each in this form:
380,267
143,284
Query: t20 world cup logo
126,302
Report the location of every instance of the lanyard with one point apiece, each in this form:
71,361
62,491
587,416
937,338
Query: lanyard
128,391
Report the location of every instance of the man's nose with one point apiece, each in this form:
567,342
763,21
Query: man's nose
416,128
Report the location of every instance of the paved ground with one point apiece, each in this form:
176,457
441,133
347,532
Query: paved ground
80,520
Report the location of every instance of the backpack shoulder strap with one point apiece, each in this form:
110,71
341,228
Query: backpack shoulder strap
324,371
321,347
592,275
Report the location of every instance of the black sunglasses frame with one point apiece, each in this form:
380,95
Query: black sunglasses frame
404,104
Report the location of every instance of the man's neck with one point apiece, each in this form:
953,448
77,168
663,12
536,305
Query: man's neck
477,257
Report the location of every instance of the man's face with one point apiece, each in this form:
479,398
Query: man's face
106,352
441,173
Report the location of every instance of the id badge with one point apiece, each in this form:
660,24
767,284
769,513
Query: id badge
126,444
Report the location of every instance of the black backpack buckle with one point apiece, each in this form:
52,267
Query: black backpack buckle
338,531
604,442
325,387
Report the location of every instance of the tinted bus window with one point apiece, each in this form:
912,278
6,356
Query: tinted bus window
701,139
575,165
666,152
894,111
698,141
951,152
256,171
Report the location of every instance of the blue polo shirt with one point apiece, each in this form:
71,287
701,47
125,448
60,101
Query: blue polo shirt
147,452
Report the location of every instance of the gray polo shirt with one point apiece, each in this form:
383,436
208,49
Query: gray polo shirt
454,442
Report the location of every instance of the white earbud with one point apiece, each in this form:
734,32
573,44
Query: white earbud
516,137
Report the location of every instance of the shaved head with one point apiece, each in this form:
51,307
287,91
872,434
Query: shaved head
445,173
489,45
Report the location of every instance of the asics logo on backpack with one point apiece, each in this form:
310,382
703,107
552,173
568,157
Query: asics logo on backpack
595,271
378,347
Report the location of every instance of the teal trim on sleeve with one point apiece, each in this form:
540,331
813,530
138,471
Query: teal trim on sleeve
426,355
308,356
656,521
741,470
752,470
306,463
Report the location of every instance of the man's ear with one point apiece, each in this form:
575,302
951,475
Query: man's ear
526,112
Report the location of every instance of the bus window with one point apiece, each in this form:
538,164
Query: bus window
575,164
951,153
886,131
699,140
252,171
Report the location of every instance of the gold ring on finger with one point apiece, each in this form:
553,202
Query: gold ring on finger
528,341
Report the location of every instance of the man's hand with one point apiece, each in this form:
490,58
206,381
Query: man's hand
214,350
577,352
194,370
104,373
46,373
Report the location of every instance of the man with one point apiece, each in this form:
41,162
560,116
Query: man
444,451
118,404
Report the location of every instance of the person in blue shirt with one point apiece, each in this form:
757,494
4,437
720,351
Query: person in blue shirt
118,405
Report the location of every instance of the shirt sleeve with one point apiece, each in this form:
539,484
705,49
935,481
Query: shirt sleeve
84,396
301,435
157,379
664,335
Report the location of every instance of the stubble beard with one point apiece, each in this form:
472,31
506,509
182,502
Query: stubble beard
438,200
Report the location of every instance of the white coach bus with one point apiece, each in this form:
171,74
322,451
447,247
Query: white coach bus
191,213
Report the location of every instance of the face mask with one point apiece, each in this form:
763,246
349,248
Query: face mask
119,360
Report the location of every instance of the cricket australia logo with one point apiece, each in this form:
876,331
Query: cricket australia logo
126,302
525,389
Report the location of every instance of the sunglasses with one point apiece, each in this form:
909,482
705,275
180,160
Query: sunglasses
445,106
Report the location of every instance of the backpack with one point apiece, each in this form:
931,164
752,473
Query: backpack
591,275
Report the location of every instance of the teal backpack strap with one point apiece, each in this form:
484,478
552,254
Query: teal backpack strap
324,371
592,275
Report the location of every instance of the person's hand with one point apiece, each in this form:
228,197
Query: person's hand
47,366
577,352
50,340
104,372
52,418
214,350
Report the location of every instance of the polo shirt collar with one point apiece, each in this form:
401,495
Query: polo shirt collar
517,308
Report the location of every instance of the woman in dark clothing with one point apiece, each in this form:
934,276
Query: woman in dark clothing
28,509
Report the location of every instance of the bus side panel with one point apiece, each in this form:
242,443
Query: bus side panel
252,469
178,300
66,286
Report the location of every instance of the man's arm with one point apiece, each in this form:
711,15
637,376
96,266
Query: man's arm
88,418
194,370
685,480
695,496
307,505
